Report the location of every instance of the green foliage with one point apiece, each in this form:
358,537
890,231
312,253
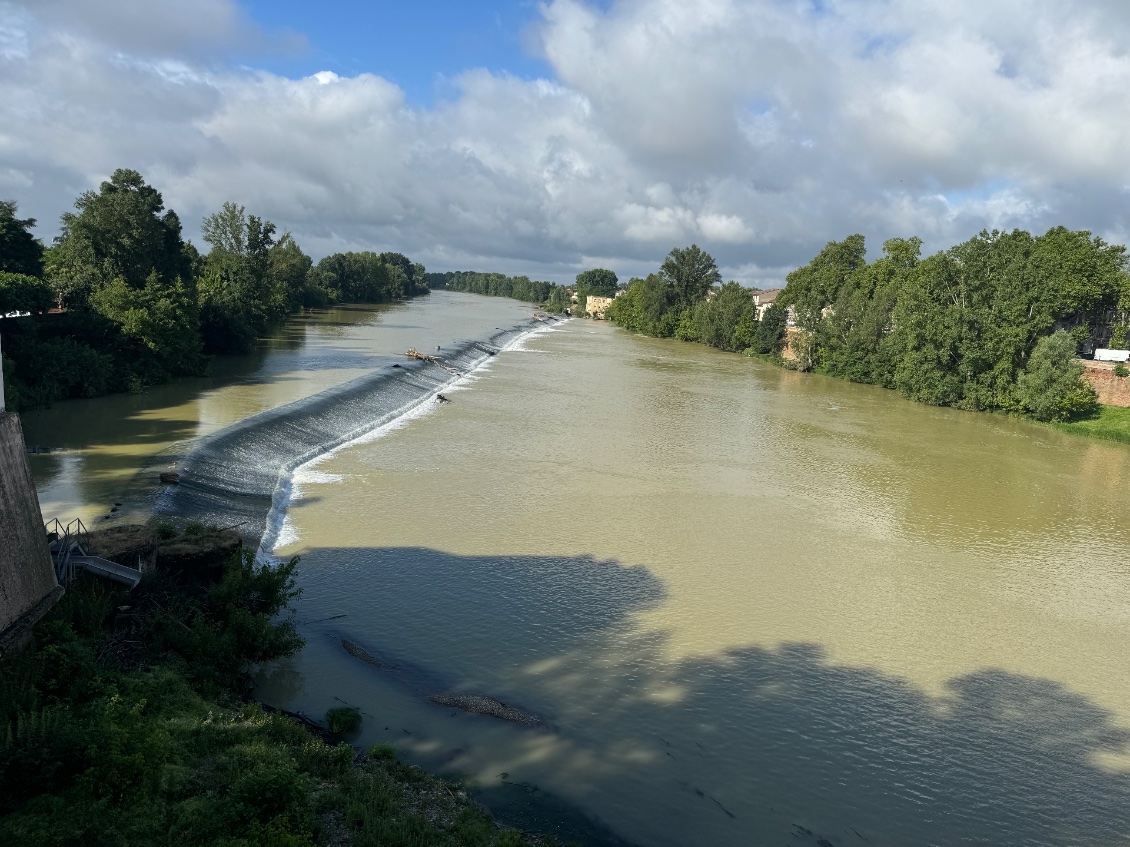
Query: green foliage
770,334
1052,387
726,321
142,306
23,293
367,277
558,301
20,251
956,328
159,319
1121,371
818,284
648,307
122,231
383,751
94,750
1112,423
343,719
597,282
499,285
690,271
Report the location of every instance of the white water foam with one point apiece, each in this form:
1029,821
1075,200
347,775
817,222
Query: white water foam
518,345
280,530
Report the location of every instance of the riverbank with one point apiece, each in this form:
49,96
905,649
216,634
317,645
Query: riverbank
1111,423
127,722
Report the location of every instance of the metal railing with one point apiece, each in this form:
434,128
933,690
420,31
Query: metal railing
64,541
68,553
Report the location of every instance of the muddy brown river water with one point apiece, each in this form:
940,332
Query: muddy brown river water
746,606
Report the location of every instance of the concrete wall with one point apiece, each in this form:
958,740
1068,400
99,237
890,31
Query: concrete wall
28,587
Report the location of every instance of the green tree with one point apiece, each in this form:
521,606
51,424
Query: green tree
20,251
816,286
558,300
726,320
160,319
690,272
646,307
288,268
122,231
22,293
771,329
1051,386
239,298
853,333
597,282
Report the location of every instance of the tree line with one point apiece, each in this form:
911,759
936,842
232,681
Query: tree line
554,298
993,323
121,300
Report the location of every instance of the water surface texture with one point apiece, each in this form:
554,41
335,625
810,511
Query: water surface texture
745,606
748,606
110,449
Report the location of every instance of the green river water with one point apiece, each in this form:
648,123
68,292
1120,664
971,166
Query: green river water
749,606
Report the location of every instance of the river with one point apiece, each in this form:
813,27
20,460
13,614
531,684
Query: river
749,606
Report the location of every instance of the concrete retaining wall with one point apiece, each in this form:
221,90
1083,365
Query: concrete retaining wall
28,587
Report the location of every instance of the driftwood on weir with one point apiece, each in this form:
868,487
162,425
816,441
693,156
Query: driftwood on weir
413,353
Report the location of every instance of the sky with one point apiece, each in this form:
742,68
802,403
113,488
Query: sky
544,138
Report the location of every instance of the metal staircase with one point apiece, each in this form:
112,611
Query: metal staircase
65,543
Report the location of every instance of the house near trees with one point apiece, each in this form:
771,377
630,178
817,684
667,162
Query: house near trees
762,300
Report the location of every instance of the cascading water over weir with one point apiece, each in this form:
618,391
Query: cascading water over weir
241,476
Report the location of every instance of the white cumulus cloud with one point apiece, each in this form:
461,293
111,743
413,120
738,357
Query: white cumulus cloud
759,129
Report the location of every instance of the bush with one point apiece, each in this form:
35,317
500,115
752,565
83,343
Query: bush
1051,386
385,752
1121,371
343,719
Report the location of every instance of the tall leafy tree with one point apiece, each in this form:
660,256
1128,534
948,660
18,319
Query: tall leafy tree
122,231
238,297
690,271
648,306
816,286
20,251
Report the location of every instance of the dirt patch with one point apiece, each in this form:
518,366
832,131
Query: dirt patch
126,545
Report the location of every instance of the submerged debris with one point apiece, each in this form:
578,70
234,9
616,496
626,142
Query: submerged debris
480,704
358,652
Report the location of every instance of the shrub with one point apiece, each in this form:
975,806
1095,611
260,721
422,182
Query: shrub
385,752
343,719
1051,387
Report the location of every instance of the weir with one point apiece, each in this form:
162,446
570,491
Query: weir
240,476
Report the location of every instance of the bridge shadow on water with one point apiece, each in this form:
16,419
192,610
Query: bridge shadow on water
760,744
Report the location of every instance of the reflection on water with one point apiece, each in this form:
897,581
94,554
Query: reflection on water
751,606
99,445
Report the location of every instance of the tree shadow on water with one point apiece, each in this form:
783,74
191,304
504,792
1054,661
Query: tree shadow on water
773,745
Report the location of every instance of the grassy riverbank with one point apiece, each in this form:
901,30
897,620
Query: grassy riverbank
127,722
1111,424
